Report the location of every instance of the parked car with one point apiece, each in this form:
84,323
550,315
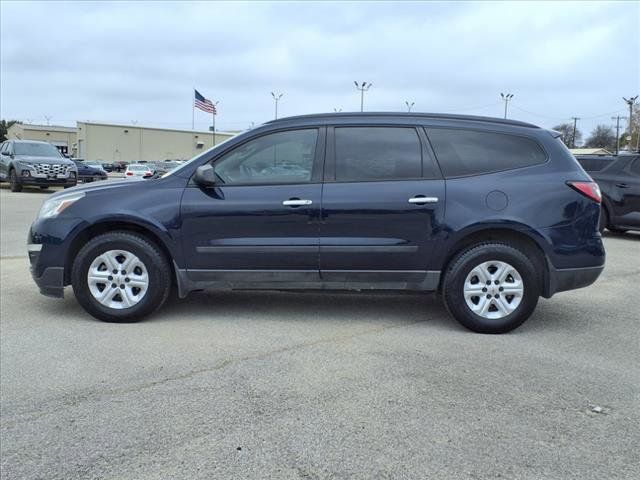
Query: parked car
107,167
119,166
160,168
137,170
88,172
27,162
491,213
618,177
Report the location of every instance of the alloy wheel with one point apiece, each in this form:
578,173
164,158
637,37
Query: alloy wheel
118,279
493,289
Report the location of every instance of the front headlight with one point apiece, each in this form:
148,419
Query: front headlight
24,165
55,206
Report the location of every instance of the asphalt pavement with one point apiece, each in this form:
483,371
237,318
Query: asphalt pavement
316,386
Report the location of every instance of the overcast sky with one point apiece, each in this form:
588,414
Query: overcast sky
123,62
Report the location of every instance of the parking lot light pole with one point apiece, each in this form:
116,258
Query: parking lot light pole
409,105
506,98
276,98
363,87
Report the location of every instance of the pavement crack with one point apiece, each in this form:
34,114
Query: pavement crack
73,401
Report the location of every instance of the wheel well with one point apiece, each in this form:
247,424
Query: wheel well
519,240
106,227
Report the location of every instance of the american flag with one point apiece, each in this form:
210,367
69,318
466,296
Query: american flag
204,104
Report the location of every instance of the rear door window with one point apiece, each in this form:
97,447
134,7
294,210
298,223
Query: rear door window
471,152
377,154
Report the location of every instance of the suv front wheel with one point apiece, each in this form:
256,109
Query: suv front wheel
491,288
121,277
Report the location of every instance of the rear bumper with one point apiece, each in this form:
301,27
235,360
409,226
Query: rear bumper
561,280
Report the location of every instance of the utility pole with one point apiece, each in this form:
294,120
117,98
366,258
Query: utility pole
363,87
409,105
617,119
276,98
506,98
573,137
630,101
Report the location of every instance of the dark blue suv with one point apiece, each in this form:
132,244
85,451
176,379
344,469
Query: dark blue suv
490,213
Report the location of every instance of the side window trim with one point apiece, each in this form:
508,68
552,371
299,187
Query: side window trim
330,162
428,157
427,128
317,163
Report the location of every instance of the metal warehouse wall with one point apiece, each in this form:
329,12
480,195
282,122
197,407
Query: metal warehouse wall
133,143
59,136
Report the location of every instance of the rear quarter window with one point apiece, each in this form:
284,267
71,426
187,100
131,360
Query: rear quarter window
472,152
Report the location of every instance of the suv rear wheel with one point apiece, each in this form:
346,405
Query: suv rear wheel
491,288
13,181
121,277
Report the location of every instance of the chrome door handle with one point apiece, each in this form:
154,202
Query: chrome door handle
296,202
423,200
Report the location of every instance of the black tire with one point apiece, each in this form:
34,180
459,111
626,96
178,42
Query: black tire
463,263
155,262
604,218
13,181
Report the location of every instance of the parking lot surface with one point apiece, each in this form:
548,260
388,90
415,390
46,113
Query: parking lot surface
278,385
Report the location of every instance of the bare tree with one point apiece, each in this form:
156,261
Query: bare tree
603,136
4,128
567,134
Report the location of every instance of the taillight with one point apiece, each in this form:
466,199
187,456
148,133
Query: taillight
588,189
129,173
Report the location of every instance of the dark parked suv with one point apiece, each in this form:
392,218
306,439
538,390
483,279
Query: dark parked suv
618,177
490,213
27,162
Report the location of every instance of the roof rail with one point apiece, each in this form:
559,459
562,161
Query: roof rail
444,116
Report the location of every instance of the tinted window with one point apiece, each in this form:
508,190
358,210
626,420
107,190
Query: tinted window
283,157
36,149
377,153
469,152
594,164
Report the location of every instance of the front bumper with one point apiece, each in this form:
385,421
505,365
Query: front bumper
51,280
39,181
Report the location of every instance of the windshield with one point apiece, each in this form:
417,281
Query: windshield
36,149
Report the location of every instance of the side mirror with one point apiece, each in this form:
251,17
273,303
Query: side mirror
205,176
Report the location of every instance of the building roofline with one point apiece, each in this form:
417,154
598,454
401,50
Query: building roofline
119,125
51,128
435,116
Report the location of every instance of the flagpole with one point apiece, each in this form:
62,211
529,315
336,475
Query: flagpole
193,110
213,114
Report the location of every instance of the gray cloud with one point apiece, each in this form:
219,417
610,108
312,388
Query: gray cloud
139,61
